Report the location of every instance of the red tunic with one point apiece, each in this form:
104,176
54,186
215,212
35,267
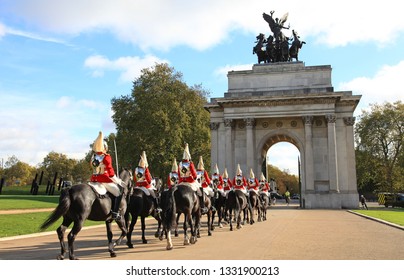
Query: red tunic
170,184
206,182
254,186
228,186
147,180
242,186
189,179
220,185
108,171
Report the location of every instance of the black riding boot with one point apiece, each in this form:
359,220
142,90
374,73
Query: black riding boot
204,209
213,202
157,209
117,202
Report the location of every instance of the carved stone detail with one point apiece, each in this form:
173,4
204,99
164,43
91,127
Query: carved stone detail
349,121
249,122
229,122
308,120
214,125
293,123
330,118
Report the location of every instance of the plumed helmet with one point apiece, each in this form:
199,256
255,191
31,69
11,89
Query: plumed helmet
100,146
252,175
174,167
239,172
201,166
225,174
216,170
145,159
262,178
186,156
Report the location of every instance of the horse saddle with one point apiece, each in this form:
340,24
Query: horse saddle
98,187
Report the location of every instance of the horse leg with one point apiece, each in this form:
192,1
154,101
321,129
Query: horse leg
230,219
110,236
195,228
169,241
130,231
176,226
124,231
61,235
158,232
210,218
186,238
72,236
142,219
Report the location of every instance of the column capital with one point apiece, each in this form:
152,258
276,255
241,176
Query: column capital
330,118
308,120
249,122
214,125
349,121
228,122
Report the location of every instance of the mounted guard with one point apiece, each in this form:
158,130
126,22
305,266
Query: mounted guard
204,180
104,175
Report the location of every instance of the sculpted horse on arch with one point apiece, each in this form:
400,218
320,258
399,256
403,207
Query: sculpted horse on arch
80,203
295,47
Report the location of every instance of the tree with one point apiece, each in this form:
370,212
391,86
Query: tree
17,172
380,136
283,179
160,115
58,163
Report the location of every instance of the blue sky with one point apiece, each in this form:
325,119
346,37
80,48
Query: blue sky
63,61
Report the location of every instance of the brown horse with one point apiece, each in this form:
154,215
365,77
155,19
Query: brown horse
80,203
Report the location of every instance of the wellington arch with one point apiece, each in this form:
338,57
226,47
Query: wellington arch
289,102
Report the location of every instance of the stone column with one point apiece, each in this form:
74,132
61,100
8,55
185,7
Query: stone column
250,124
350,156
332,154
228,124
214,139
308,153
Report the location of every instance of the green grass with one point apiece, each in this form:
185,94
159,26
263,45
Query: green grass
392,215
20,224
8,202
25,190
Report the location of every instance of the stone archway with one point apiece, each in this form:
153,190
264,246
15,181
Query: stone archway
294,103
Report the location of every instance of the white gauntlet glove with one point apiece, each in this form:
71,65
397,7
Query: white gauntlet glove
116,180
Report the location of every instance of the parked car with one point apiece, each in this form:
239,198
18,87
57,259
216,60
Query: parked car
276,195
395,200
295,196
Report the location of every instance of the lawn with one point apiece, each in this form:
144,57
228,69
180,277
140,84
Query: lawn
9,202
20,224
392,215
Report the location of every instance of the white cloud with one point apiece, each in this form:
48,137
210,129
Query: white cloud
384,86
284,156
65,125
164,24
222,71
129,66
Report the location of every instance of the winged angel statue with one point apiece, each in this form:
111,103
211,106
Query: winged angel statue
276,24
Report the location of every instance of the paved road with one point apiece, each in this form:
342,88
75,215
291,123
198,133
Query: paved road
288,234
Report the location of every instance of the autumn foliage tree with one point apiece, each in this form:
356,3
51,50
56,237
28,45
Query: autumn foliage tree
160,115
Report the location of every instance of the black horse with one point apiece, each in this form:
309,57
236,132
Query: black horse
140,205
237,202
220,205
265,202
180,199
255,203
79,203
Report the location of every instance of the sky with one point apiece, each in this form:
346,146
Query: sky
61,62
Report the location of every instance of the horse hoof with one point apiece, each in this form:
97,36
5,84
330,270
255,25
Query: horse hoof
193,240
231,229
209,234
112,254
186,242
161,238
130,245
60,257
157,234
169,247
144,241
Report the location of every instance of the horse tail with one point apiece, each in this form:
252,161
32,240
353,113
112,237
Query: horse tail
60,210
169,209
